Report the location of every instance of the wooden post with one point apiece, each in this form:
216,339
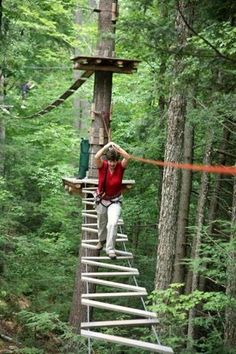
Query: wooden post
101,107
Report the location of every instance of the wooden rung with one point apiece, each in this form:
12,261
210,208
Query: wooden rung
92,224
84,228
90,229
92,216
93,211
96,240
118,308
112,284
88,190
87,245
91,188
123,253
107,265
110,274
87,203
88,199
118,323
156,348
108,258
110,295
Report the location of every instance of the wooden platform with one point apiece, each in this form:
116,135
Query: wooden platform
75,185
96,63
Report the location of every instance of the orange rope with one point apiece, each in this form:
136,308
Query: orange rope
228,170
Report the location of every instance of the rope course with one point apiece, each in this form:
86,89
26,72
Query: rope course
64,96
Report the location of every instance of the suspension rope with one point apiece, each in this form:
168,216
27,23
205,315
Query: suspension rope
229,170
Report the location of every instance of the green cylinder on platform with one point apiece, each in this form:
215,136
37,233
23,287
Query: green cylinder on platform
84,158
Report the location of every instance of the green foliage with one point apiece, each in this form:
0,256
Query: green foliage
172,307
49,325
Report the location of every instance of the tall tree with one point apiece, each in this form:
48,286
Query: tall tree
230,316
184,204
200,219
173,152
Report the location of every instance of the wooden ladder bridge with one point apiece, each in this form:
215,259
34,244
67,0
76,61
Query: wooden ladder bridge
116,281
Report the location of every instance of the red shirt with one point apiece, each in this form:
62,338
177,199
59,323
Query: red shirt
113,180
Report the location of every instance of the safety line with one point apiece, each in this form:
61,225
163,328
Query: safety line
228,170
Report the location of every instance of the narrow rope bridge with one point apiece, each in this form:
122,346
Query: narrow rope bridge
69,92
137,317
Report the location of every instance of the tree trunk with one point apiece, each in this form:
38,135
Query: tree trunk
100,129
2,123
2,127
173,152
214,202
200,215
82,106
230,315
185,193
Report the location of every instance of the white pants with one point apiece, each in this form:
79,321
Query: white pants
107,223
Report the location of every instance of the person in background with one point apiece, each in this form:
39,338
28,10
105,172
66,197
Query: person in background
108,195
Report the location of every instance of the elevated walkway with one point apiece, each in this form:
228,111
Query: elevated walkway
116,286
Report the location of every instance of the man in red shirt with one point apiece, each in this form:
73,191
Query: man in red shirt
110,174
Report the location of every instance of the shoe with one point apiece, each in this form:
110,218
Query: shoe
112,255
99,245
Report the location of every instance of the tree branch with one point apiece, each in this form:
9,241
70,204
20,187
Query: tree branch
203,38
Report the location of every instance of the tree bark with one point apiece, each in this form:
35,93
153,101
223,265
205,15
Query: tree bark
230,315
100,129
185,193
200,216
173,152
2,127
214,202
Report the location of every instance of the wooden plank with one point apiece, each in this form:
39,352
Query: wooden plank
93,211
108,265
87,245
88,215
94,216
156,348
118,308
108,258
123,253
90,229
118,323
94,67
109,274
96,240
115,294
112,284
87,203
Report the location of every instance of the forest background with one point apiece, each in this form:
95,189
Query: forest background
192,65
